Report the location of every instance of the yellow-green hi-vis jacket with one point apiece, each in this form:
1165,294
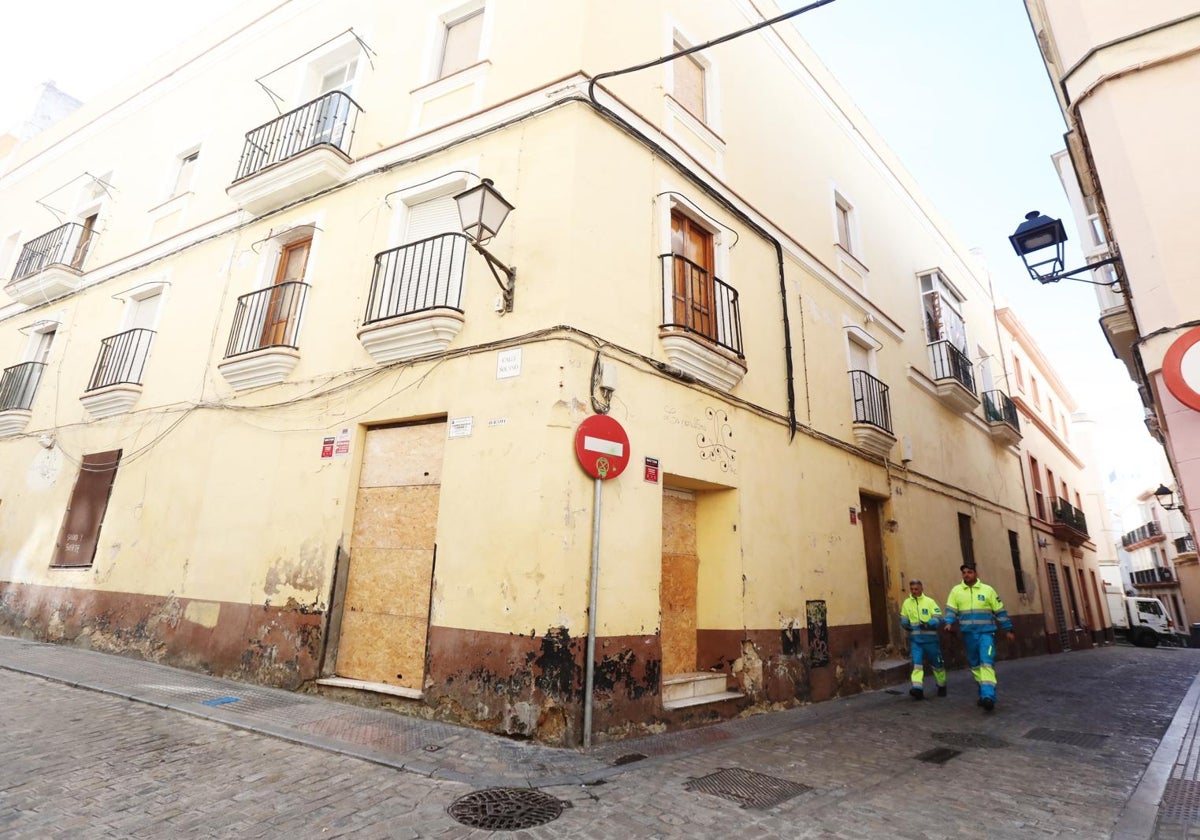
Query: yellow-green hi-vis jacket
921,616
976,609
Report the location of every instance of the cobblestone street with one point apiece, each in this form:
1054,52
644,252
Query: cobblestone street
1061,756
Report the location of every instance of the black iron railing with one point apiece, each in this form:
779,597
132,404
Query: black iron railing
427,274
1185,544
871,403
696,301
18,384
65,245
999,408
327,120
269,317
122,359
1146,532
1157,575
1069,515
951,363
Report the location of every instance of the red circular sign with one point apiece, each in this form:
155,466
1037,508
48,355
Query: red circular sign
1181,369
602,447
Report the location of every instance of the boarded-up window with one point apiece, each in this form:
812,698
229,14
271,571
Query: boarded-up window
89,500
965,541
689,84
461,46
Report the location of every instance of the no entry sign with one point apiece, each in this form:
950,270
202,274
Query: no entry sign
602,447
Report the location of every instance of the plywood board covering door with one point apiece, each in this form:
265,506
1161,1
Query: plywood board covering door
385,621
680,571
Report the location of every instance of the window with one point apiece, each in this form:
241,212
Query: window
339,78
1033,387
692,271
943,311
1050,483
1035,478
1078,501
80,532
185,173
460,44
10,249
844,218
281,310
688,83
1017,374
42,341
85,240
1014,548
966,542
1149,607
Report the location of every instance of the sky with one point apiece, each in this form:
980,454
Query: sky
956,87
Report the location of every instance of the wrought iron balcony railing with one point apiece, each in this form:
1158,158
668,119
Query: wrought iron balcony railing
1185,545
427,274
951,363
871,402
696,301
18,385
1149,531
328,120
998,407
269,317
65,245
122,359
1069,515
1157,575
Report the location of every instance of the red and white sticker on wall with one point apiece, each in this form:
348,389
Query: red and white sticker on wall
1181,369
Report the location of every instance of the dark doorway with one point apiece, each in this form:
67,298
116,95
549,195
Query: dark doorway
870,514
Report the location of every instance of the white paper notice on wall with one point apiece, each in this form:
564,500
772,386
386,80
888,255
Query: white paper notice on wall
341,445
508,363
461,427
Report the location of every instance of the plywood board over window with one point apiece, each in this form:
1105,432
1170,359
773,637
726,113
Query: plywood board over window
80,531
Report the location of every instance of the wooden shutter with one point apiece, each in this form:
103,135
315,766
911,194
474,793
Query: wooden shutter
85,513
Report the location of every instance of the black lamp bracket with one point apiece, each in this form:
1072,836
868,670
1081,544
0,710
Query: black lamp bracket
497,267
1070,275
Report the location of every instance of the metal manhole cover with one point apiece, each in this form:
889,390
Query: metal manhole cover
505,809
938,755
969,740
1062,736
747,788
1180,801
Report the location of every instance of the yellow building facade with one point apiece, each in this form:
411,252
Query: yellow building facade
268,411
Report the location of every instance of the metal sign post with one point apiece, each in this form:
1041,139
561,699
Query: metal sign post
602,448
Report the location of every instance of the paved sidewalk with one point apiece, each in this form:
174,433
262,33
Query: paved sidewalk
1112,749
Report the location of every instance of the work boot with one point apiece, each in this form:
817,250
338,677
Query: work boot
988,703
917,693
941,691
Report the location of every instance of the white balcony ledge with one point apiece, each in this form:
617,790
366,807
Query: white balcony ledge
268,366
13,421
111,400
701,360
311,171
410,336
874,439
51,282
956,396
1003,433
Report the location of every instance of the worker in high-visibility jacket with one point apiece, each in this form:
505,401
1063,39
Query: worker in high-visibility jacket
975,607
921,616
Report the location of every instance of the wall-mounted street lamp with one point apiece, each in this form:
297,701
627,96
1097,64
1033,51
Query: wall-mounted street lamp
1039,242
1165,498
482,210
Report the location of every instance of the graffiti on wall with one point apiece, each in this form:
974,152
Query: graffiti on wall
818,633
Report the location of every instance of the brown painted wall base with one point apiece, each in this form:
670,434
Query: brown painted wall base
271,645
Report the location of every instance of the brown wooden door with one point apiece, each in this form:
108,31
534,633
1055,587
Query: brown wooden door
876,575
677,591
692,293
281,305
385,618
85,241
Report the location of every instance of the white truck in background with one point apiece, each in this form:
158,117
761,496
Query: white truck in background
1143,621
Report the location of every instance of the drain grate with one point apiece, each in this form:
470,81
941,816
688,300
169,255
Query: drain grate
938,755
1180,801
505,809
970,740
1062,736
747,788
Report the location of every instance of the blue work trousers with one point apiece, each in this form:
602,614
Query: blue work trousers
926,649
981,656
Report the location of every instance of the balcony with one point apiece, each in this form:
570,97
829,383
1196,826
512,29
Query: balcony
1150,577
702,325
1149,533
51,265
415,304
872,413
1070,524
262,348
953,376
116,381
18,384
302,152
1185,545
1001,415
